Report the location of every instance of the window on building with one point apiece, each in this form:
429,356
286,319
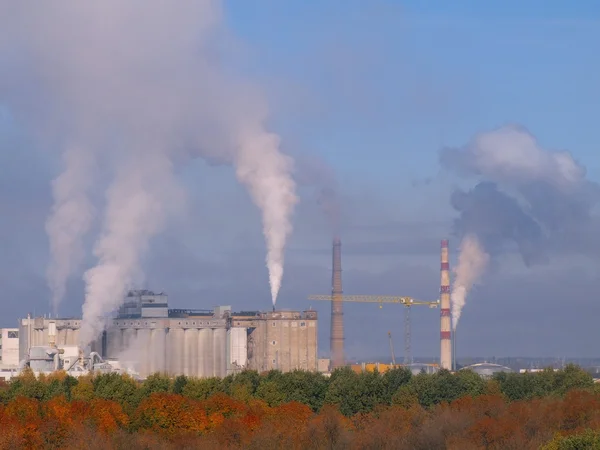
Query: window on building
273,342
274,324
13,335
302,324
274,361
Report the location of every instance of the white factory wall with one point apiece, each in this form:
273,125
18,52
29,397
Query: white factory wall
9,347
237,349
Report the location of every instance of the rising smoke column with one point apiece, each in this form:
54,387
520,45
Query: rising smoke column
472,262
136,209
266,172
142,88
71,218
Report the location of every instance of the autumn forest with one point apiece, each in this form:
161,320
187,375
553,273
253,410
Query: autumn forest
552,410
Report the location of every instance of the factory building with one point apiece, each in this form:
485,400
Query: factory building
9,347
33,332
280,340
148,337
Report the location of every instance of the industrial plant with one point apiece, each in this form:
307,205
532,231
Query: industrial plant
145,336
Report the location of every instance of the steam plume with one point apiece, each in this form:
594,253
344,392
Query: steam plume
135,212
266,173
472,262
536,199
142,88
70,220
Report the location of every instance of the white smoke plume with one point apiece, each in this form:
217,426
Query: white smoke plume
527,196
266,173
136,207
511,154
142,87
70,220
472,262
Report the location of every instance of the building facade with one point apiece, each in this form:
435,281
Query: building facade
281,340
148,337
9,347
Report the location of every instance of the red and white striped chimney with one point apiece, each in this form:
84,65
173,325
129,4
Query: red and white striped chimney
445,319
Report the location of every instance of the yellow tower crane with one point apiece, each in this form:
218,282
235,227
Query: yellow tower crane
407,302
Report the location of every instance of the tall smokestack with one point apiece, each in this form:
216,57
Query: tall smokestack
337,314
445,319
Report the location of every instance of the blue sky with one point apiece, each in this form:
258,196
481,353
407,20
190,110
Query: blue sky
374,88
468,67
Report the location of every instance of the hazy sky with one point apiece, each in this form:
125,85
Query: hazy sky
374,90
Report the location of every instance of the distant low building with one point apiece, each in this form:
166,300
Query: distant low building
487,370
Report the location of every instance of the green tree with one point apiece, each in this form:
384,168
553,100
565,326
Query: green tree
406,397
27,385
394,379
424,387
241,386
304,387
344,390
179,384
588,440
202,388
69,383
119,388
270,392
572,377
156,383
470,383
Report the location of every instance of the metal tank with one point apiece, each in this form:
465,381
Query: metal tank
129,335
74,337
68,336
41,359
144,346
61,338
219,352
190,353
205,354
158,350
176,342
114,342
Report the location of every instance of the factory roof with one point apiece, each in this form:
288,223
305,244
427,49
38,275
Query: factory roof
190,312
487,369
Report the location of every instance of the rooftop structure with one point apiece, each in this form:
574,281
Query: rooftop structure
487,369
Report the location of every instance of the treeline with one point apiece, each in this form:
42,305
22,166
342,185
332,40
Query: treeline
395,410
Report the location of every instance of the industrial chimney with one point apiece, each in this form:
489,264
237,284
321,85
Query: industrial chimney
445,319
337,314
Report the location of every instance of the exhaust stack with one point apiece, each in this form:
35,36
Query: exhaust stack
445,319
337,314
